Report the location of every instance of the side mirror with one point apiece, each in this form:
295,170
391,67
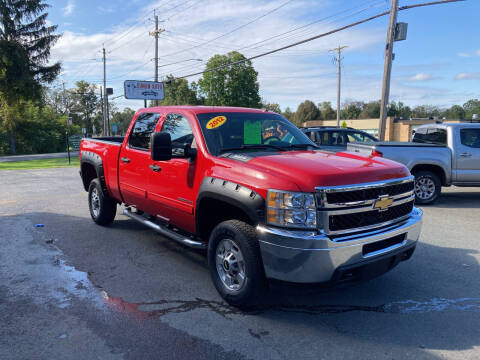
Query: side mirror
161,146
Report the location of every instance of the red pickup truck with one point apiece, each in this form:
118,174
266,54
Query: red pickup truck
256,193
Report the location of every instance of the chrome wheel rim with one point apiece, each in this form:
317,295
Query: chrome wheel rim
95,202
230,265
424,188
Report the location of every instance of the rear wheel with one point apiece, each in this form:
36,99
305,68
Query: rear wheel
427,187
235,263
102,208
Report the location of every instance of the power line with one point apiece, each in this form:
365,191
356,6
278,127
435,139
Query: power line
319,36
297,35
233,30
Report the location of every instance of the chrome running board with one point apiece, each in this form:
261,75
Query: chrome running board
165,231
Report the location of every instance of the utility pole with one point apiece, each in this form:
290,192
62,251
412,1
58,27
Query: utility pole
105,128
155,33
387,69
338,59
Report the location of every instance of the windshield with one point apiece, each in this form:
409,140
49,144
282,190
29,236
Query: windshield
241,131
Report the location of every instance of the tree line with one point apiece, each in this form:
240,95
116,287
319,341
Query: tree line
36,114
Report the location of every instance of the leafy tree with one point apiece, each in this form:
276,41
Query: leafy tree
272,107
85,106
326,110
371,110
454,112
351,110
123,118
288,114
425,111
25,42
230,85
178,92
471,107
306,111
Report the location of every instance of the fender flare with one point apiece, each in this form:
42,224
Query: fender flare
96,161
242,197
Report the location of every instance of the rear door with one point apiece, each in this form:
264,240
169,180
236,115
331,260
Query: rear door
135,159
171,186
467,156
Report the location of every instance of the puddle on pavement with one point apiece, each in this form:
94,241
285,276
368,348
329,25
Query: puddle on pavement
42,272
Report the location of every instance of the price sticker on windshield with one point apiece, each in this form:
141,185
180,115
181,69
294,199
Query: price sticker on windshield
216,122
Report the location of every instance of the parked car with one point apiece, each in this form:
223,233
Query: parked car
336,138
250,188
439,155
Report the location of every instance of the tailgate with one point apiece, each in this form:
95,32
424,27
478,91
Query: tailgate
361,148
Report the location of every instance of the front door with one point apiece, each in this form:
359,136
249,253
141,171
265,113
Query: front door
135,159
467,156
171,184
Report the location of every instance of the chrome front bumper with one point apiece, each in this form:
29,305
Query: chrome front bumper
312,257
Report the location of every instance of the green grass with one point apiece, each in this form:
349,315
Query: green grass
39,164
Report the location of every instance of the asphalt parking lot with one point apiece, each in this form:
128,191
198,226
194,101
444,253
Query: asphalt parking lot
74,290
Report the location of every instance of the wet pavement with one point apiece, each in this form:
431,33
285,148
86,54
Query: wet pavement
73,290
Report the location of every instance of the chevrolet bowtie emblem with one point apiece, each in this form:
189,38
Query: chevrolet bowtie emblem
383,203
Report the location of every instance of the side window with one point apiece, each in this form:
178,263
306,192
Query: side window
420,135
437,136
180,130
143,128
336,139
470,137
322,137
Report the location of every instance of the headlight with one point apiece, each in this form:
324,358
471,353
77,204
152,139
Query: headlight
291,209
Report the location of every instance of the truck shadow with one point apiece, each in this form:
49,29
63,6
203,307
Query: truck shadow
461,198
429,302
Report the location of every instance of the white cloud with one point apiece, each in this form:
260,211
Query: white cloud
68,10
467,76
288,77
469,54
105,9
422,77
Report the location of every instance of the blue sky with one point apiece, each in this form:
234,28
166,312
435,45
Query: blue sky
438,64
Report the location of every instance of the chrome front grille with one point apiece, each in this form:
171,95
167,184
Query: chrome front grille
353,208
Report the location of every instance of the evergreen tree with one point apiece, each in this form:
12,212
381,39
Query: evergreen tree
25,43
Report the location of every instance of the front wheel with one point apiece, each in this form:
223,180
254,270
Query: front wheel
427,187
235,263
102,208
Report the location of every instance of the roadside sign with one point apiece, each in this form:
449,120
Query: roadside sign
84,130
143,90
114,127
74,142
70,121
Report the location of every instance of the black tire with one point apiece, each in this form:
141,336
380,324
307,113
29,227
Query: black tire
243,236
102,208
432,190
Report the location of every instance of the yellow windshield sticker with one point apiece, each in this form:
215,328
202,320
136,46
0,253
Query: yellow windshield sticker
216,122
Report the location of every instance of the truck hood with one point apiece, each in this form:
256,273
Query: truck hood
308,169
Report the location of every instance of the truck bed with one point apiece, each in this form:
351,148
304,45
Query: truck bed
108,149
376,144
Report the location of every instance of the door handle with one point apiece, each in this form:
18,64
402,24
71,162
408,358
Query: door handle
125,160
155,168
465,155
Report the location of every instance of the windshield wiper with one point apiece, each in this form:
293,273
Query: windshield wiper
253,146
300,146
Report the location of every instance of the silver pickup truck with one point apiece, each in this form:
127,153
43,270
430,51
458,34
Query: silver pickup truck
439,155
